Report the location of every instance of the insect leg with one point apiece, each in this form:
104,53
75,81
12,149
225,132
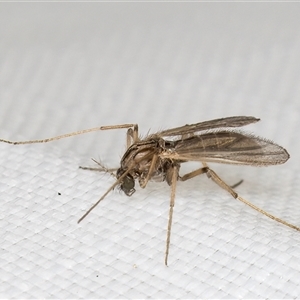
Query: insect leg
55,138
201,171
117,182
211,174
193,174
172,203
144,182
132,135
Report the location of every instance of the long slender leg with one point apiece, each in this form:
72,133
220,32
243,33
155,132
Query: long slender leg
202,171
104,195
152,167
109,127
172,203
71,134
135,133
211,174
193,174
132,135
129,138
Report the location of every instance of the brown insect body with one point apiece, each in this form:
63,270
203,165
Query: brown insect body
160,155
137,162
221,146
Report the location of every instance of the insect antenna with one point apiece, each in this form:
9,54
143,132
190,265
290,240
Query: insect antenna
101,169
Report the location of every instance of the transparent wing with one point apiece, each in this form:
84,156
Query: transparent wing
207,125
229,147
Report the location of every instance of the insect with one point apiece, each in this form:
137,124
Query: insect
160,155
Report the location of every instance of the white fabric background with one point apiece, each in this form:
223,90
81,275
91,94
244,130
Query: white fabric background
71,66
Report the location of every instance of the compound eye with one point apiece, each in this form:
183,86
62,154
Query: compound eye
127,185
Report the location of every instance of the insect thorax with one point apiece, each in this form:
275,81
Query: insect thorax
137,161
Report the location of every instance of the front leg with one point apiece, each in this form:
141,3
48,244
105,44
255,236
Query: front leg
132,135
132,132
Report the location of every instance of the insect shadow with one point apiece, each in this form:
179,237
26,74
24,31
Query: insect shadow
159,157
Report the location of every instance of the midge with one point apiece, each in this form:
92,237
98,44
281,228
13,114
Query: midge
160,155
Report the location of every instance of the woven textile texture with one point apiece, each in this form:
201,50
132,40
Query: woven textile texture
71,66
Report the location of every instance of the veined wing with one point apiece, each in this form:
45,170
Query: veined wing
207,125
229,147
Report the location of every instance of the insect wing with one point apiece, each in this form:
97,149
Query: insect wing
229,147
208,125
